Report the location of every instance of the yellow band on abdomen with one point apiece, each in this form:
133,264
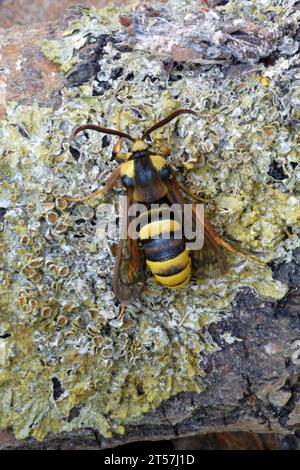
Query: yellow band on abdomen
158,228
177,279
160,267
182,284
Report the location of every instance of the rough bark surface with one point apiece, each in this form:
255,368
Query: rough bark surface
22,12
251,385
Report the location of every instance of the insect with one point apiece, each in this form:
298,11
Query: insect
149,179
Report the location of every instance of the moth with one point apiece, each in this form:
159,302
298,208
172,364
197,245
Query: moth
149,179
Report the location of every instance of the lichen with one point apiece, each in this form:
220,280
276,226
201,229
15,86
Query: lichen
61,347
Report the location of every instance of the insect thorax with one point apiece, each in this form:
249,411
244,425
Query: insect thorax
144,168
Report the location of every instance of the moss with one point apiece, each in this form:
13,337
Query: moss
57,305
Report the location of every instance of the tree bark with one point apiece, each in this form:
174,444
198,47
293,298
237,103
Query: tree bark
251,385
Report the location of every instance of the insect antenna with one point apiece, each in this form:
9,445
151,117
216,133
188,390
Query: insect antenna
105,130
167,119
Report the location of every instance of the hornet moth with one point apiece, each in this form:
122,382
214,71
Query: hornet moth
148,178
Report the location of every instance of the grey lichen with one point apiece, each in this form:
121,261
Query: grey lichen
61,347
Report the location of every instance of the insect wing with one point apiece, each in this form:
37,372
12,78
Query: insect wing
210,260
129,274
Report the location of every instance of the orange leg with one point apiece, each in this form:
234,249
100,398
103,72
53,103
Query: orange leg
108,186
117,147
192,196
120,316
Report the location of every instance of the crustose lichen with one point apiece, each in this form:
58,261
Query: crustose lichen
60,347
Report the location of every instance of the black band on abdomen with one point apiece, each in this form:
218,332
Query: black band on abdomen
159,249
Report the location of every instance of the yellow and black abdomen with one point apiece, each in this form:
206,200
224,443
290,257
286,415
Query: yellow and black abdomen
160,234
165,252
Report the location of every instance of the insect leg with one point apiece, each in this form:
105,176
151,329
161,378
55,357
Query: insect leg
192,196
120,156
118,145
108,186
120,316
186,191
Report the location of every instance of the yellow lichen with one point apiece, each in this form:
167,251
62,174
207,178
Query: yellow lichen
56,299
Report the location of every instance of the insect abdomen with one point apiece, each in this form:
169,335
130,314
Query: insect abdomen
167,258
